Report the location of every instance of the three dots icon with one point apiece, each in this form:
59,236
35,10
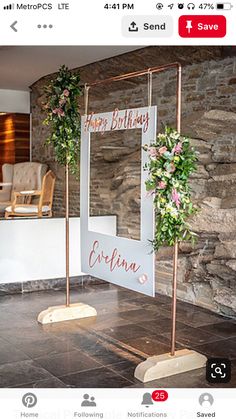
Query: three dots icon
44,26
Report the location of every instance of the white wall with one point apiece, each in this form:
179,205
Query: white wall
14,101
35,249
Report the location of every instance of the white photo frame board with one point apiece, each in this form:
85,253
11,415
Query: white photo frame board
121,261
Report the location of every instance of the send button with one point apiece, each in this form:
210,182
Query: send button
147,26
154,27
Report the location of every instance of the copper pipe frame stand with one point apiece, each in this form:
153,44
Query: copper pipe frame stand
150,72
174,362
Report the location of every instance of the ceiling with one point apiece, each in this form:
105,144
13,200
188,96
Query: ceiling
22,66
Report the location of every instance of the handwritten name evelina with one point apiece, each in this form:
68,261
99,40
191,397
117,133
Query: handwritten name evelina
128,119
114,261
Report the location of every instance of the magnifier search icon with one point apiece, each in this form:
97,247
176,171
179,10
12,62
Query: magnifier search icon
218,370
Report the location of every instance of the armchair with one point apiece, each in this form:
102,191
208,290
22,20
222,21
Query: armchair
19,177
27,209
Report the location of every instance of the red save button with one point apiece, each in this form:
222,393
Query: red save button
204,26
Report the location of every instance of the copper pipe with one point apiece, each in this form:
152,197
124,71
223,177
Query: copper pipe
174,297
176,245
178,98
149,88
67,240
135,74
86,101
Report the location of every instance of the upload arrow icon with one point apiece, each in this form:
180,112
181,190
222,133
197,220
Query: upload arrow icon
133,27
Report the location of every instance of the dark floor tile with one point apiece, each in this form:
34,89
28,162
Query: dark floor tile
158,309
98,378
195,317
9,320
149,346
126,369
191,379
66,363
127,332
21,373
101,349
9,354
143,315
103,286
225,329
225,348
33,303
125,294
104,297
52,382
22,334
109,357
115,307
161,325
191,336
64,329
103,321
49,345
85,341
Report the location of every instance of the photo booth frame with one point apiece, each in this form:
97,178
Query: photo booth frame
173,362
122,261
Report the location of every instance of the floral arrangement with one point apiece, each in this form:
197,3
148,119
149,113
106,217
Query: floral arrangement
171,162
63,117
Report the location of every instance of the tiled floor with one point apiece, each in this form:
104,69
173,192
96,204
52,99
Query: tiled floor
103,351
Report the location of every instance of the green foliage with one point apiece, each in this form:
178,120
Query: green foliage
63,117
171,162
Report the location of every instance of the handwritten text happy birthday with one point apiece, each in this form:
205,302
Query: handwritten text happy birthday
128,119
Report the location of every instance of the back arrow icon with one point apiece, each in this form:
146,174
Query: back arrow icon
13,26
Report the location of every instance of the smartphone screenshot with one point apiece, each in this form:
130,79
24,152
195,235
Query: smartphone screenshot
117,209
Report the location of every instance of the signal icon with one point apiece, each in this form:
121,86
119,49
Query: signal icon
9,7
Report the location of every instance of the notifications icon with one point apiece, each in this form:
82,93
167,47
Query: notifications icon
147,399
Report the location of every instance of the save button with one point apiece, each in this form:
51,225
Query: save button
202,26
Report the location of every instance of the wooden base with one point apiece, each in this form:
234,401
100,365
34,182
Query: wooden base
63,313
166,365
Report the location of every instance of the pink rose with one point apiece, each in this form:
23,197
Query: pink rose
58,111
66,93
161,185
61,112
177,149
152,151
162,150
175,197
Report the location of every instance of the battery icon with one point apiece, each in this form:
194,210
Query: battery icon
224,6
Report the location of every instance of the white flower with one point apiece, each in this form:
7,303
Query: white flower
161,137
158,172
174,135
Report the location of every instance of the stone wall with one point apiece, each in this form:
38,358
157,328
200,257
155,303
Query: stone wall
206,272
